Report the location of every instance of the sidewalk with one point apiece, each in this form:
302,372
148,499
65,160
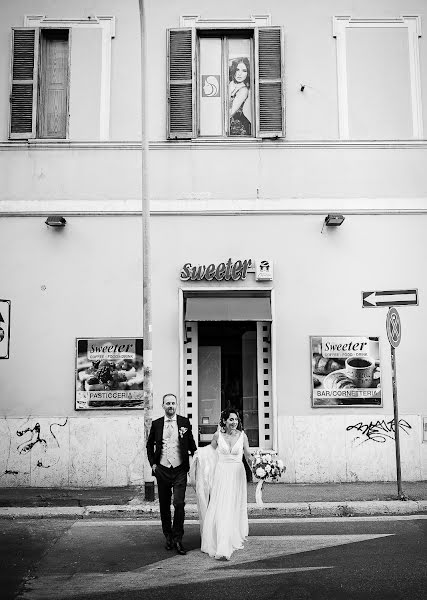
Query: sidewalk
280,500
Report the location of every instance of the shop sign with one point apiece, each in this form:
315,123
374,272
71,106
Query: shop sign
235,271
4,328
109,373
345,371
228,270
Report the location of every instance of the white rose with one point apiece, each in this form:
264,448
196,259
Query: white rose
280,464
260,473
258,460
268,468
267,457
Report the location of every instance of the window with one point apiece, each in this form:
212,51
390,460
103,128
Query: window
39,94
225,83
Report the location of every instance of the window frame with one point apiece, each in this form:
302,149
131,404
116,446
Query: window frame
340,25
271,88
225,35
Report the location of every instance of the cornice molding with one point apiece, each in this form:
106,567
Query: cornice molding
201,23
56,145
212,207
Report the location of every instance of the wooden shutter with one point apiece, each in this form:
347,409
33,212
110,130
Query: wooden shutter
53,96
181,88
23,95
270,75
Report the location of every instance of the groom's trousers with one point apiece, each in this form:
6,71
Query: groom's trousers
168,480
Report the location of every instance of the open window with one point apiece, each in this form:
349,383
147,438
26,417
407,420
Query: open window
225,83
39,88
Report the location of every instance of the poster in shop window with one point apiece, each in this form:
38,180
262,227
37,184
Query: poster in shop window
345,371
109,373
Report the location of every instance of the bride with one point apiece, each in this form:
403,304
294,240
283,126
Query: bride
221,488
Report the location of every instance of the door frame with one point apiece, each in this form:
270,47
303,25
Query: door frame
182,408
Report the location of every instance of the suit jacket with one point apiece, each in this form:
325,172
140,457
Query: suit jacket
185,438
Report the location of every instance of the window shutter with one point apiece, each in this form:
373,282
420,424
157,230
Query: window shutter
181,89
270,89
23,95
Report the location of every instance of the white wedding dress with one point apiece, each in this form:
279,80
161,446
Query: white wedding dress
224,526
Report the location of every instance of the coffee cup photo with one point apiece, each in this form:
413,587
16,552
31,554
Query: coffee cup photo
361,371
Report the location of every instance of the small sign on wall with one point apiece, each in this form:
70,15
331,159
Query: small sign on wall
109,373
345,371
264,270
4,328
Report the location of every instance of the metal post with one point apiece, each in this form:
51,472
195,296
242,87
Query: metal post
400,493
146,255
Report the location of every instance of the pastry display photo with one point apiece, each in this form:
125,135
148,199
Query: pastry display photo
109,373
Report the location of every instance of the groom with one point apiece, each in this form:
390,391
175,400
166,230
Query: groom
169,443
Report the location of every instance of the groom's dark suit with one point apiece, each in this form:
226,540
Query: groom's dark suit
169,478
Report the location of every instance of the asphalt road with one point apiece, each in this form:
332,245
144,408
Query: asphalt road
283,559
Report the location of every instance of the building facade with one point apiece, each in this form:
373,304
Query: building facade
268,125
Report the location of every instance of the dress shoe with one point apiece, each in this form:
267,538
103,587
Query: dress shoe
180,548
169,544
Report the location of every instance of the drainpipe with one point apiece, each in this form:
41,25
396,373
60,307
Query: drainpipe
146,257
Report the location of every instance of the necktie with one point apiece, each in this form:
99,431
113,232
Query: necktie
169,425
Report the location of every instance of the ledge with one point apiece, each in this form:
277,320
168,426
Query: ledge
33,145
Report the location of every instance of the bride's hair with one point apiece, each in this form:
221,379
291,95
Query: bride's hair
224,416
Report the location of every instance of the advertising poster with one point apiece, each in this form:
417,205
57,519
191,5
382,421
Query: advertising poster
109,373
345,371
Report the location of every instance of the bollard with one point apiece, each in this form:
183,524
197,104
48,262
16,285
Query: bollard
149,491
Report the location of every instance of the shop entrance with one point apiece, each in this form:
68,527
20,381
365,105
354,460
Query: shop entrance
228,363
227,375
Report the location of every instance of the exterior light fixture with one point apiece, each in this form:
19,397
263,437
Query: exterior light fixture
55,221
334,220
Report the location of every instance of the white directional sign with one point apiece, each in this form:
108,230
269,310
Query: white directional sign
390,298
4,328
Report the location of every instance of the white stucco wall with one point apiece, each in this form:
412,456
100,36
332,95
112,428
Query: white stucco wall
85,281
310,55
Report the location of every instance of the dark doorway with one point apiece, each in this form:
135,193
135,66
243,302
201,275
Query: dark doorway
228,374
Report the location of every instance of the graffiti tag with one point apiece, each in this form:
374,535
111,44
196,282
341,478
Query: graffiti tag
379,431
34,439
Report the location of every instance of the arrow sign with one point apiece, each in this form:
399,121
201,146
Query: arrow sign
390,298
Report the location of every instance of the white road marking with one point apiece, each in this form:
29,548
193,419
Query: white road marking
144,522
193,568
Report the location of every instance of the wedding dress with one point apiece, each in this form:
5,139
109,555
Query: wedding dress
224,526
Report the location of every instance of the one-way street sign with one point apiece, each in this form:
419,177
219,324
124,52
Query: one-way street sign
390,298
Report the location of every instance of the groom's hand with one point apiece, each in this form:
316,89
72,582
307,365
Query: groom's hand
154,467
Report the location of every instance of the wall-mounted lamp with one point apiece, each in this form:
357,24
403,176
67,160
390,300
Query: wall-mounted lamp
55,221
333,220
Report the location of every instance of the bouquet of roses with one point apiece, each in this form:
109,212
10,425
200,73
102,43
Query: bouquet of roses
265,466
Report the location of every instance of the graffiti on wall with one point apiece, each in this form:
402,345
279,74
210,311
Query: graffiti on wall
378,431
34,436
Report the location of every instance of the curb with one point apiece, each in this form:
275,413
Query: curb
297,509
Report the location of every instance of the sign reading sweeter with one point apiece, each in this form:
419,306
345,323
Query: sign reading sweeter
223,271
